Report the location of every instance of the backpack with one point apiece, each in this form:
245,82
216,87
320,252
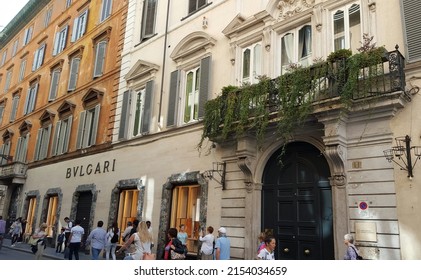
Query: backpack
114,239
358,256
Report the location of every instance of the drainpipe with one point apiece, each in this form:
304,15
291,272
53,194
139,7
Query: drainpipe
163,62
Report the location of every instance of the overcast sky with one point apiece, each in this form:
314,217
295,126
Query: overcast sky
9,9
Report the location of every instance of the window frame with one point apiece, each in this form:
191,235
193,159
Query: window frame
347,41
22,148
31,98
106,10
74,75
15,105
8,81
88,127
79,26
42,142
60,40
62,132
27,36
99,62
39,57
54,83
147,18
253,77
195,5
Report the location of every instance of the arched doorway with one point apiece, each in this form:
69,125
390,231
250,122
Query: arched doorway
297,203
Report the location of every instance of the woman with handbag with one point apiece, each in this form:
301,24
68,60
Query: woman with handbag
142,240
174,250
38,240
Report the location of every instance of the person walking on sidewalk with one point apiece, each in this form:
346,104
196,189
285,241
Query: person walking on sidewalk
39,237
111,240
208,244
60,240
67,229
2,230
222,245
16,231
97,240
75,240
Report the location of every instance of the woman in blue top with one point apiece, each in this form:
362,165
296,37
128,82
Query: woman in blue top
182,236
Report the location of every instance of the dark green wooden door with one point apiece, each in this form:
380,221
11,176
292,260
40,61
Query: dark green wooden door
297,203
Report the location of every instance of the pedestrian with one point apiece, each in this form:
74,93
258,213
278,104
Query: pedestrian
39,241
16,230
142,240
21,236
126,232
174,249
208,244
268,252
222,245
60,240
261,238
75,240
148,223
96,239
351,251
67,227
111,238
2,230
134,229
182,236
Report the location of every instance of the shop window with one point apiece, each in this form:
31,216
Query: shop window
51,215
185,209
127,208
30,218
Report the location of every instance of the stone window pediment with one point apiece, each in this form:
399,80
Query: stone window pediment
197,44
141,71
92,96
47,116
25,126
66,107
241,26
7,134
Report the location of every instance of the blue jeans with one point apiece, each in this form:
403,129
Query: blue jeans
95,253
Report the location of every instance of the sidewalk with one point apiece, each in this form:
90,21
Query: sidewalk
49,253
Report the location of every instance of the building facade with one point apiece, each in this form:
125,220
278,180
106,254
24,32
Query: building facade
60,68
328,176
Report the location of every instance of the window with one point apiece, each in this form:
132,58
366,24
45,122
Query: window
2,106
5,150
100,50
31,98
148,19
194,94
127,211
61,138
47,17
347,28
30,218
251,63
8,79
68,3
185,209
106,9
60,40
195,5
22,69
43,140
15,103
411,11
296,47
79,26
73,74
51,215
55,79
3,58
38,57
27,36
15,47
22,148
88,125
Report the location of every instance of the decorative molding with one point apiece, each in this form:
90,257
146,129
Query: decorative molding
288,8
142,70
194,44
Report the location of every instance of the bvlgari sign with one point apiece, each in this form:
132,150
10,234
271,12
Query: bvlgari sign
91,169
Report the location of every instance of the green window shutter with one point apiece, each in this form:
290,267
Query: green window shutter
124,118
18,149
172,102
100,58
411,14
74,71
81,130
205,70
38,144
67,135
56,139
24,147
94,129
45,141
147,110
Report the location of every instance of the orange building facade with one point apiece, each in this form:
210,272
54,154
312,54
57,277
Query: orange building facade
59,70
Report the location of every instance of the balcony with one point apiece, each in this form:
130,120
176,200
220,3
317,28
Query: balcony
15,171
287,101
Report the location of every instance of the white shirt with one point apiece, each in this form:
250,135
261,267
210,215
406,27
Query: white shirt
207,245
77,232
265,255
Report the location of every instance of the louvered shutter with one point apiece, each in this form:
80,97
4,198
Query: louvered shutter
124,118
67,135
81,130
205,70
74,71
38,144
54,147
55,76
172,102
99,58
411,12
94,129
147,109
